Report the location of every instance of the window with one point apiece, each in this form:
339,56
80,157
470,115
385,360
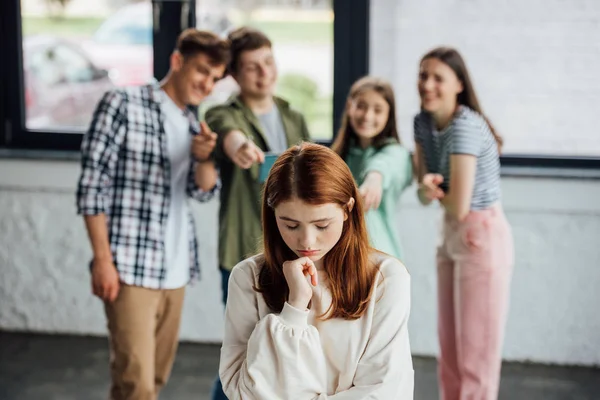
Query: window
69,60
302,37
130,25
533,67
68,53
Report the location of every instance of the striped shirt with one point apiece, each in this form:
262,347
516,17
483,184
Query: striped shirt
467,133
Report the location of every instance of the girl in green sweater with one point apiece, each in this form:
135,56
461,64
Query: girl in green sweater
369,143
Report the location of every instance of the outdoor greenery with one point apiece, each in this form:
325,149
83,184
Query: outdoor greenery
303,94
304,32
67,27
282,32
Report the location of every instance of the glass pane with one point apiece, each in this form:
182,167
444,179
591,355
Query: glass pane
75,50
302,35
533,67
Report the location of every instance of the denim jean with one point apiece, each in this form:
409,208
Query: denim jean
217,389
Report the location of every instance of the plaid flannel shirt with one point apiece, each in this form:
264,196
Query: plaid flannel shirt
125,174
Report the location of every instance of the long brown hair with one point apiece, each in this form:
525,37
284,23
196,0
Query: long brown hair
346,132
316,175
452,58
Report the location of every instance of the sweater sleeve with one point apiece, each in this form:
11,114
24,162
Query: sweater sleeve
276,357
385,371
280,356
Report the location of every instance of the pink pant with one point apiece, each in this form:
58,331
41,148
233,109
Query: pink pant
475,262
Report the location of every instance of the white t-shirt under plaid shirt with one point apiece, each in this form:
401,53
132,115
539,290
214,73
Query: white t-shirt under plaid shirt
179,141
467,133
126,175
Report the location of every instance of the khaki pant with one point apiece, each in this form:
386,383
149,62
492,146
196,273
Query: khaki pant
143,326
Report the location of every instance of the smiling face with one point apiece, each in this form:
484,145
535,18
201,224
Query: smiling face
368,113
194,77
310,230
438,87
257,73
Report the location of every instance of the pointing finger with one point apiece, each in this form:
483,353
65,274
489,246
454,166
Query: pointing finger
204,128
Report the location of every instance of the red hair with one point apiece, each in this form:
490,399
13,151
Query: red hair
316,175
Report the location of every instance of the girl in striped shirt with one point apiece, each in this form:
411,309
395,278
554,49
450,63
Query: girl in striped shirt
457,161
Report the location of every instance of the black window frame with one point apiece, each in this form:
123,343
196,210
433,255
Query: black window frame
351,61
14,134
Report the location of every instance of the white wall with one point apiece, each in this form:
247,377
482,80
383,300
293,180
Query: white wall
553,314
532,65
44,285
44,253
44,282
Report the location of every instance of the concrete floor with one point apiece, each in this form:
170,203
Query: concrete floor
43,367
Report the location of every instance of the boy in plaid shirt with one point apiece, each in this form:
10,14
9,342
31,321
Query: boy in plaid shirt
144,154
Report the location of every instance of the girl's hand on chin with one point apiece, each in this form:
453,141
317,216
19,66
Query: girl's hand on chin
296,273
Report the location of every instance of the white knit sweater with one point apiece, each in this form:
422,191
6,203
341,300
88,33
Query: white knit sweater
293,355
